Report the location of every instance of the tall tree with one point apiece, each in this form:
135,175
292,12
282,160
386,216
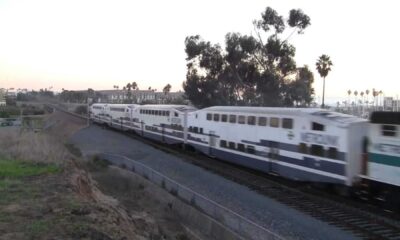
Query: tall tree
324,65
129,92
134,86
256,71
167,89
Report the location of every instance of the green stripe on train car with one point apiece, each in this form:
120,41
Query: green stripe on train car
384,159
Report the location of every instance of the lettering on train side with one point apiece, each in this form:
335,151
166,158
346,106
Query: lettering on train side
320,139
387,148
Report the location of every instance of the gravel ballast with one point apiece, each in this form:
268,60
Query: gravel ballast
281,219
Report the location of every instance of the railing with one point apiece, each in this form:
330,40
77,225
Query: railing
230,219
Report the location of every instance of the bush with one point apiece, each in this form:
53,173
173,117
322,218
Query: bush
81,110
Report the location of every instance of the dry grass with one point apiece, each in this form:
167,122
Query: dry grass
31,146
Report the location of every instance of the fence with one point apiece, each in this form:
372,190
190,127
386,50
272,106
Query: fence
233,221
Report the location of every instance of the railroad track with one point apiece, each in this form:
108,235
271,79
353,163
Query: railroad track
360,222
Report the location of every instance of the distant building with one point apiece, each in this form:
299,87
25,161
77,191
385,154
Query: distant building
137,96
2,97
391,104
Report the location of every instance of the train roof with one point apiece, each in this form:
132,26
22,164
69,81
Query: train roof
318,112
180,108
381,117
115,105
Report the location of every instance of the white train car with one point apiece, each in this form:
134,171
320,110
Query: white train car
122,116
99,113
383,168
165,123
302,144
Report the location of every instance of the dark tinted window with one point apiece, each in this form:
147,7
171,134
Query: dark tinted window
317,127
303,148
209,116
389,130
232,118
262,121
232,145
251,120
216,117
222,143
274,122
287,123
224,118
242,119
251,149
332,153
241,147
317,150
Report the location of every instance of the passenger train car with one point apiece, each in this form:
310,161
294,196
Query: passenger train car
302,144
382,168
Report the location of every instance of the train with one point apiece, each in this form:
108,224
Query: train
303,144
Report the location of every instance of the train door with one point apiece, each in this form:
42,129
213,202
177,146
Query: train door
212,142
273,156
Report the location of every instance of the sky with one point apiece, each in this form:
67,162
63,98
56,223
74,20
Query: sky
98,44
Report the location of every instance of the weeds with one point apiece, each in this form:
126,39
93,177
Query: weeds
32,147
18,169
38,227
73,149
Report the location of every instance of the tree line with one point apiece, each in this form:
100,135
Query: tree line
257,70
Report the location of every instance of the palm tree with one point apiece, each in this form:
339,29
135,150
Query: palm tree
324,65
367,92
134,86
129,93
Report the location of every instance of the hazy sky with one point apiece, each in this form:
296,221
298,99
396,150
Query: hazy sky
98,44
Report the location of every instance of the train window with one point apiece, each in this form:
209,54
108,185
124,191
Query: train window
388,130
241,119
332,153
232,118
224,118
209,116
201,130
176,114
222,143
262,121
241,147
190,129
303,148
216,117
232,145
287,123
196,116
317,150
195,129
317,126
251,149
251,120
274,122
